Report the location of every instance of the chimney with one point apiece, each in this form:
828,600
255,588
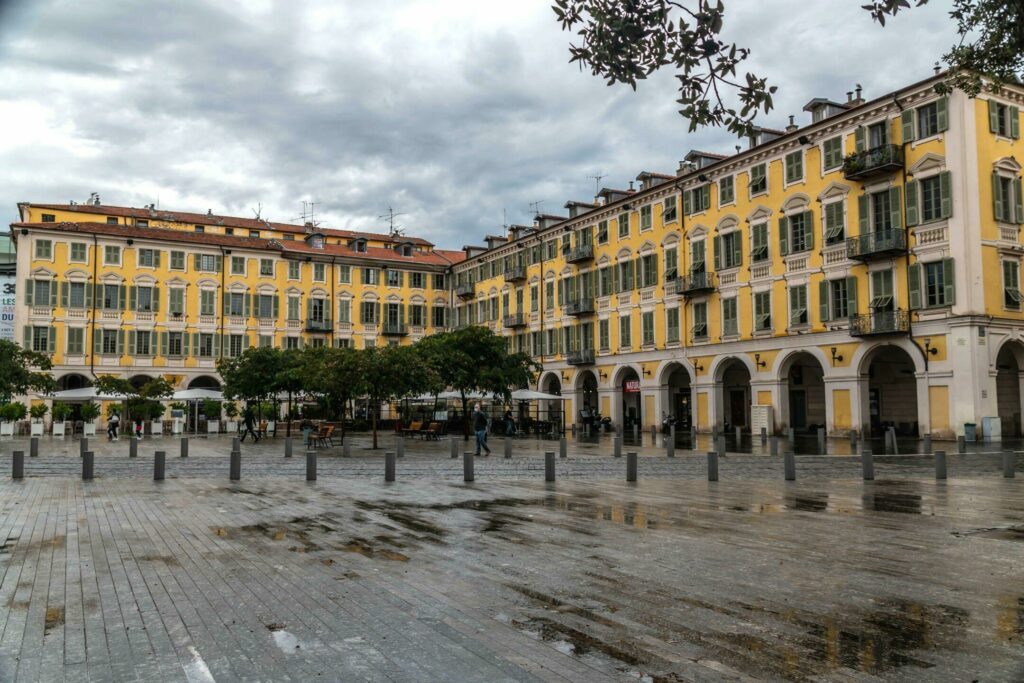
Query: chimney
859,100
631,186
849,97
792,124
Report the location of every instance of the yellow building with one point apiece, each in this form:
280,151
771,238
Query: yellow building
145,292
854,272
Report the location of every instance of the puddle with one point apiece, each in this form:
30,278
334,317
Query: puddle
815,502
1008,533
54,617
364,548
285,641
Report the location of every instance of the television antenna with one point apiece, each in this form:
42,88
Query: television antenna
597,178
257,211
535,208
504,221
393,229
309,213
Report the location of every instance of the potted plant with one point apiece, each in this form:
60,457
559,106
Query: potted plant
89,412
211,409
61,412
231,410
38,412
10,413
155,412
178,421
269,411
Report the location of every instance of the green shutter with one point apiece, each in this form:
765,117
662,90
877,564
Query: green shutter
912,218
26,337
51,339
907,124
29,287
132,298
851,296
156,299
914,284
798,171
163,344
97,341
156,258
53,293
131,342
218,263
705,195
1014,122
895,214
275,306
185,350
993,116
809,230
216,345
198,260
949,282
686,206
946,193
783,235
88,294
718,252
63,295
863,215
121,296
997,197
823,300
737,250
1018,208
942,114
859,137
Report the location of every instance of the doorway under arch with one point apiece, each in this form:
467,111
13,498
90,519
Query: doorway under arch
803,393
1009,365
72,380
891,397
677,395
204,382
552,412
734,378
586,390
629,389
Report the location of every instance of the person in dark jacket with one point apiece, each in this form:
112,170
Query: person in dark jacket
249,424
480,427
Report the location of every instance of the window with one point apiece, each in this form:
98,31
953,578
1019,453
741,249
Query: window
672,325
549,295
625,333
208,262
76,340
141,223
177,260
266,306
837,299
237,304
256,233
758,180
344,311
881,291
112,297
797,305
294,270
730,319
42,291
78,252
176,301
238,265
1006,199
371,276
700,321
604,334
368,312
42,339
49,218
927,120
77,295
671,262
204,348
759,242
317,310
319,272
207,302
44,249
835,222
200,228
109,342
358,245
292,343
293,308
697,257
438,315
534,298
929,199
149,258
649,270
343,343
551,249
1011,285
394,278
416,280
795,233
832,153
795,166
416,315
266,267
111,255
266,341
881,211
345,275
175,345
111,220
1003,119
762,311
696,200
729,250
646,221
439,281
878,135
143,345
235,344
647,328
937,281
625,276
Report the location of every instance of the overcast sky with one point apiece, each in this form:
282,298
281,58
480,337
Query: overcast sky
450,111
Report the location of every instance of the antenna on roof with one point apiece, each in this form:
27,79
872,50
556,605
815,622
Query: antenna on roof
390,216
504,221
257,211
535,207
597,178
309,213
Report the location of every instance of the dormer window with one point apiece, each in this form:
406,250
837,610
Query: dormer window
358,245
316,241
404,249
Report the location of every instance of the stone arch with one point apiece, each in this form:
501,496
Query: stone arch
760,213
1009,371
204,382
72,380
893,387
733,391
727,222
675,390
586,384
803,401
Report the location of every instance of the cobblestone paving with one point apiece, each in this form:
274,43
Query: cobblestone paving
508,578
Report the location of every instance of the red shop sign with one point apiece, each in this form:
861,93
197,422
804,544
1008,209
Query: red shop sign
631,386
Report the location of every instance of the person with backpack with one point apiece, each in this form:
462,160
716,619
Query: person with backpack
112,423
480,427
249,424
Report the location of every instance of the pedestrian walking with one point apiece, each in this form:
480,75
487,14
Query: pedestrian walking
112,423
480,427
249,424
510,423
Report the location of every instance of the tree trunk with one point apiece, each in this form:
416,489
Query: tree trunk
373,419
288,429
465,417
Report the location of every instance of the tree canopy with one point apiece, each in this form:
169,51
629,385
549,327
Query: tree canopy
23,371
625,41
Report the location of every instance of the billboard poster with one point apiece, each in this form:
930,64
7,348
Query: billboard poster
7,307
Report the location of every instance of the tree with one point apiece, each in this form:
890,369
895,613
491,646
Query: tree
334,375
387,371
251,376
625,41
288,378
22,371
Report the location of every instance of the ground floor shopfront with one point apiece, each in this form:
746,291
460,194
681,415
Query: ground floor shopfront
942,378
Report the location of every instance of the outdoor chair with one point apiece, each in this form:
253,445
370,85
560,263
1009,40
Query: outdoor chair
433,431
413,429
325,435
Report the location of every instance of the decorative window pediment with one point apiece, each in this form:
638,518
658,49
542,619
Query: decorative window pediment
759,214
43,273
929,162
834,190
698,231
1007,164
796,202
727,224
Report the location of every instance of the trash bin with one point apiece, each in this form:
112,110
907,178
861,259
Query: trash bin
970,432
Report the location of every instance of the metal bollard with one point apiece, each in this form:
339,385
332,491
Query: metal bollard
867,464
159,465
853,437
453,447
654,435
721,445
389,466
83,446
961,444
1009,464
549,465
508,447
287,446
791,435
87,463
574,429
636,430
184,448
775,445
712,466
693,437
821,441
739,438
789,464
631,466
18,465
400,448
235,466
563,449
764,435
467,466
670,448
33,447
940,464
346,449
927,446
895,448
133,448
310,465
672,432
616,446
236,443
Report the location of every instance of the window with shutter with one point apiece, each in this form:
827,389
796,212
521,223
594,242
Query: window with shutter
730,320
758,180
832,153
794,167
672,325
762,311
1011,285
700,321
881,290
759,242
835,222
647,325
726,191
798,305
625,333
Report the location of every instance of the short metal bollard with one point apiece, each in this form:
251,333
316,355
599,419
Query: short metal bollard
940,464
764,435
739,438
400,448
775,445
310,465
184,447
508,447
712,466
236,443
159,465
789,465
83,446
867,464
895,447
616,446
654,435
672,432
288,447
18,465
87,465
1009,464
821,441
235,466
961,444
563,449
389,466
926,448
33,447
549,465
721,445
133,448
670,448
453,447
791,436
346,449
631,466
467,466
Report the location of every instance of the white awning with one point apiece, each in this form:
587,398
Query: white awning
198,395
86,394
531,395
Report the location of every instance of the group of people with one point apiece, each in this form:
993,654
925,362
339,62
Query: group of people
114,422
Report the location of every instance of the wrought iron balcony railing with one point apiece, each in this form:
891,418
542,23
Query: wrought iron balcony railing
695,283
879,322
876,245
874,161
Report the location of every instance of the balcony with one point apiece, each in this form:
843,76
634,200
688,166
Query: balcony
581,357
584,252
515,274
394,329
872,162
465,291
876,245
879,322
318,324
696,283
515,320
579,307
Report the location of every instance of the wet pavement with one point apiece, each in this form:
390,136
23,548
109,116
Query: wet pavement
508,578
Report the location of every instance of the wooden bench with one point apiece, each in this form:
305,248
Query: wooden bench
413,429
432,431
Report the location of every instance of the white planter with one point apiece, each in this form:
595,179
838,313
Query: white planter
231,426
271,425
212,426
6,429
58,429
177,426
158,428
89,428
37,428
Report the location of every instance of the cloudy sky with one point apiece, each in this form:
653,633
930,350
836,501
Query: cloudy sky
454,112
